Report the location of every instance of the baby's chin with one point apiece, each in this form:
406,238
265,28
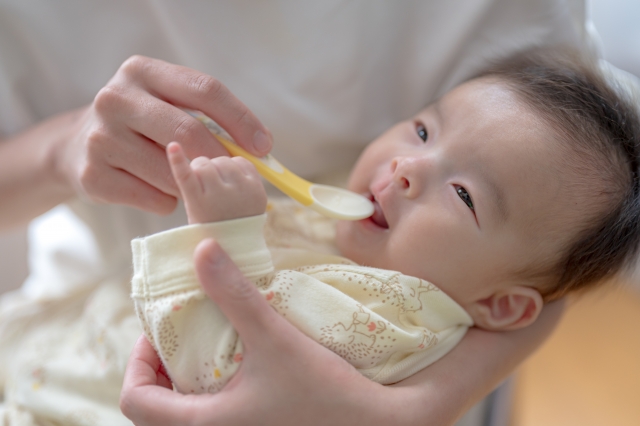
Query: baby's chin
341,235
344,241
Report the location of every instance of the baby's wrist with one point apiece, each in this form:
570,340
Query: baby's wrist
196,216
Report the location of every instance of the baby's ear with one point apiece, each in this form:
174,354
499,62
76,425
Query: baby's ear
507,309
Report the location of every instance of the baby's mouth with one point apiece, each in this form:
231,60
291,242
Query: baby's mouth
378,215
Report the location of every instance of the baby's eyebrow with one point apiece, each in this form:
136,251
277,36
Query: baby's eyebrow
438,111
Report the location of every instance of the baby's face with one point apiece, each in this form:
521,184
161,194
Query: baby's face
467,193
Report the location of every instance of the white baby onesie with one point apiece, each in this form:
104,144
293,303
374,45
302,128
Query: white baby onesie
386,324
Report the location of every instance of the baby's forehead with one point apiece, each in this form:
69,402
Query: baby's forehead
484,93
487,107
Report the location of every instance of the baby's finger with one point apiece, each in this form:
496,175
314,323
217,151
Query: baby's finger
201,163
183,174
233,170
247,168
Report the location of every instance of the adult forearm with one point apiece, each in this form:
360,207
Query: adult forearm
29,180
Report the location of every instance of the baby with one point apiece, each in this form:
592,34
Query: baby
513,189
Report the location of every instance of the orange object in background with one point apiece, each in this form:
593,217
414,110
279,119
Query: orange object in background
588,372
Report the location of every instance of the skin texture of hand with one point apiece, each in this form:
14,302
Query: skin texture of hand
216,189
288,379
113,150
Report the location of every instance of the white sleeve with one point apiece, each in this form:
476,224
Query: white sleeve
198,346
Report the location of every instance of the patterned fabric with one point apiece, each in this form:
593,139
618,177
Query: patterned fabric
66,357
386,324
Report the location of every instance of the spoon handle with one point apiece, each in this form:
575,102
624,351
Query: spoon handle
270,168
330,201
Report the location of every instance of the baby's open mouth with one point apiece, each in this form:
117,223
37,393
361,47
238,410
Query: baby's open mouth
378,215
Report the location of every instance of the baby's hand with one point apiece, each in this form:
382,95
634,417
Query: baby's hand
217,189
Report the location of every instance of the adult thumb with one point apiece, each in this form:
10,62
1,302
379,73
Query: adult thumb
237,297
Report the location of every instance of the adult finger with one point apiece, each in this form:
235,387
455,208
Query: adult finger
124,188
162,122
146,399
145,367
237,297
185,87
142,158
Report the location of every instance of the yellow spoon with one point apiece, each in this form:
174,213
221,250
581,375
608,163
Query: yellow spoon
328,200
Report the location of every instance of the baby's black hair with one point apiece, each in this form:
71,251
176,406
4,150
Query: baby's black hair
596,118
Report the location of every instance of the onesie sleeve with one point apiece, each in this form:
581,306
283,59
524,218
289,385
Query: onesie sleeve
163,262
197,345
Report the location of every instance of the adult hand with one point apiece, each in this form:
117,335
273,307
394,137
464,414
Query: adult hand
287,378
114,152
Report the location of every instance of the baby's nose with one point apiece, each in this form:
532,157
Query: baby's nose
406,175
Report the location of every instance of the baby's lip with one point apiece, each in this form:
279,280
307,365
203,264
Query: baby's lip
378,217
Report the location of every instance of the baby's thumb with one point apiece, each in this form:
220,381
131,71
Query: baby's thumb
237,297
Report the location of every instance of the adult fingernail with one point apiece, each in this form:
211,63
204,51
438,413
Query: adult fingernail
261,142
208,252
217,259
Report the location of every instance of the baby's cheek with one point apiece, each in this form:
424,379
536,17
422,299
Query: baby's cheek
347,241
351,245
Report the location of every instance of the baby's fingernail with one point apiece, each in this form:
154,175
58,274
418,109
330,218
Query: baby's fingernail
261,142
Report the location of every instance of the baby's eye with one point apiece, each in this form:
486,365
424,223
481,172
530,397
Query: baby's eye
422,131
462,193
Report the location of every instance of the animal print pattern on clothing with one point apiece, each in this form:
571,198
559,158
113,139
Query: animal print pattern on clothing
357,340
376,314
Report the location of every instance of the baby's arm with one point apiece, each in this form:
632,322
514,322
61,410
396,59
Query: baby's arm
217,189
225,200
